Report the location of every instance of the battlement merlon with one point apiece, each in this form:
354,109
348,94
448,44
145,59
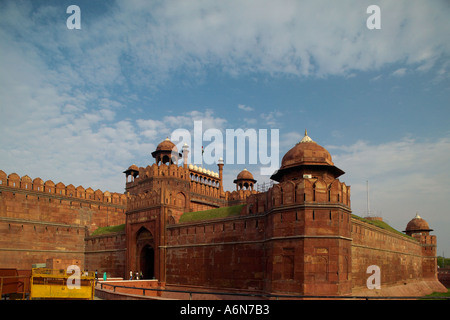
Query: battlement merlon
25,183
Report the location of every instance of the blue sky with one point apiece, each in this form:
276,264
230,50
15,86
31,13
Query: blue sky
80,106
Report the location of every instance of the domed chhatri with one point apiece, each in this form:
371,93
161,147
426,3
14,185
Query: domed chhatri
133,167
166,152
244,180
245,174
167,145
132,171
417,226
306,154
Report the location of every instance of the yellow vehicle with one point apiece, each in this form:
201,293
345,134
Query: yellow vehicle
59,284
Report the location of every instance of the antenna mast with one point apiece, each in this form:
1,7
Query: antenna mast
368,206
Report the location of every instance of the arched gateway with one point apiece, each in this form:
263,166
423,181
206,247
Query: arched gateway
147,262
145,253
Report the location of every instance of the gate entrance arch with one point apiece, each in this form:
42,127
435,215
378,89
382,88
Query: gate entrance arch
145,253
147,262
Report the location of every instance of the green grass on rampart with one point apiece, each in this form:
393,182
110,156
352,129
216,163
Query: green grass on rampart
110,229
211,214
381,224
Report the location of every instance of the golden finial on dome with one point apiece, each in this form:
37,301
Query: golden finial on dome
306,138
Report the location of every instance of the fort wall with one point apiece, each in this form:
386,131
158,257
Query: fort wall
241,253
106,253
444,276
398,257
42,220
298,237
223,253
296,246
280,243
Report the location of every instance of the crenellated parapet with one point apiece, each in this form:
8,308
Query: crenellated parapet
303,191
239,196
135,175
48,187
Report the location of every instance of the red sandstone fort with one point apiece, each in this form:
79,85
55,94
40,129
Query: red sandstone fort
298,237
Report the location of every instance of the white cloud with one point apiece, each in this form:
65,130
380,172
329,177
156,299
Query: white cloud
310,38
107,114
70,108
376,78
272,118
249,123
245,108
186,120
399,72
151,128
